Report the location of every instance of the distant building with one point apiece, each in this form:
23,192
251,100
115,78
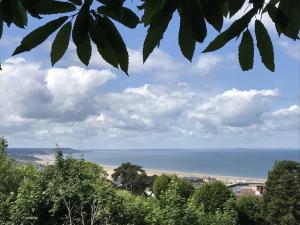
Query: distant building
257,190
209,179
195,181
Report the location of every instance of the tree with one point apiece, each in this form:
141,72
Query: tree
12,176
131,177
213,196
250,209
3,146
89,21
282,195
162,182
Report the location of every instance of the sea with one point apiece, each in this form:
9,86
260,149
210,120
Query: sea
254,163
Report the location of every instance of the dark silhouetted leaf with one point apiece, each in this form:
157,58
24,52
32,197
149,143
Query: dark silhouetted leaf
103,45
6,11
84,50
246,51
76,2
39,35
1,27
19,13
198,22
233,31
264,45
116,41
150,10
186,39
124,16
213,13
47,7
158,26
235,6
80,29
80,34
61,43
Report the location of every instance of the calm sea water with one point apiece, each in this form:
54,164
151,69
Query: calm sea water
238,162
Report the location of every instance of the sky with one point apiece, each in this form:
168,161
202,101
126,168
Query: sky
167,102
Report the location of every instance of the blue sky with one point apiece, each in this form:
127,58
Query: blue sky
167,102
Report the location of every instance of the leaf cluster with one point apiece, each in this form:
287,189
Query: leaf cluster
93,21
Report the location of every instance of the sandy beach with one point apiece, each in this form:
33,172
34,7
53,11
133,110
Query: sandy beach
49,159
226,179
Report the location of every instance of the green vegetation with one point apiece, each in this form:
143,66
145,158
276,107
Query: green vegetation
250,210
282,199
77,192
89,21
162,183
212,196
132,178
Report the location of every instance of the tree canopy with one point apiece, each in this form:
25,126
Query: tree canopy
74,191
283,182
132,178
93,21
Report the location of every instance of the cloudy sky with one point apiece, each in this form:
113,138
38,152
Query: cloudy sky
167,102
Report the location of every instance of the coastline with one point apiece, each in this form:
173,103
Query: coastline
49,159
224,178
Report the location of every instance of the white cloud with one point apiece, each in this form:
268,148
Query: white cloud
68,105
291,49
206,63
235,108
286,119
28,91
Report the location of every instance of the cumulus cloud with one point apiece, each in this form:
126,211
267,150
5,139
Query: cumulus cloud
69,104
63,94
160,64
291,49
235,108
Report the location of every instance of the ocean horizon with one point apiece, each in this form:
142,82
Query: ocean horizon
239,162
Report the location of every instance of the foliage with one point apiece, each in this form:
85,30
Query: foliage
162,182
213,196
3,146
250,209
282,195
89,21
74,191
132,178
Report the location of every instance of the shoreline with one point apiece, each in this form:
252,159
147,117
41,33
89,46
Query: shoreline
224,178
49,159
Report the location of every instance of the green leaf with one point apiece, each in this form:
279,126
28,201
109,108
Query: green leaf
235,6
48,7
1,27
84,51
158,26
80,34
39,35
104,47
76,2
61,43
112,3
6,11
264,45
150,10
117,43
246,51
186,38
80,29
233,31
198,22
213,12
19,13
124,16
